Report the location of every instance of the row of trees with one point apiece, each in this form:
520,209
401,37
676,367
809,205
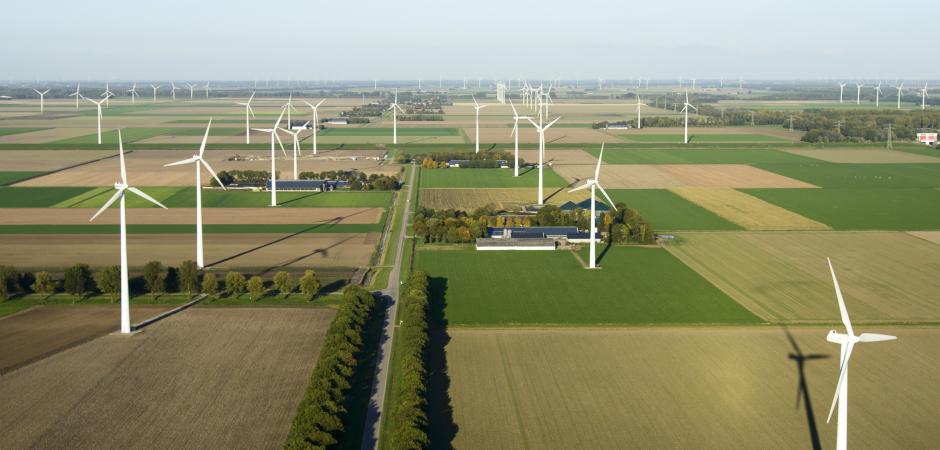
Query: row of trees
79,280
410,413
322,418
243,178
826,125
358,181
483,160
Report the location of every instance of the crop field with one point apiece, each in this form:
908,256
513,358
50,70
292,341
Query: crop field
783,276
696,138
7,178
861,208
863,155
197,379
683,155
660,176
829,175
17,197
636,286
667,211
489,178
41,332
512,199
402,131
268,251
228,216
185,197
666,387
557,157
11,131
751,213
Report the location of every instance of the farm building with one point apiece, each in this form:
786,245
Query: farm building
338,121
585,205
307,185
531,238
927,138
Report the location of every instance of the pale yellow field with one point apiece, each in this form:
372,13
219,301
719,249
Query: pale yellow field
703,387
863,156
507,199
248,250
80,216
932,236
747,211
783,276
27,160
660,176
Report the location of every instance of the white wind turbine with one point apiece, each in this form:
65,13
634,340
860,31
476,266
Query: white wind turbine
192,87
107,94
274,135
639,109
207,89
42,100
923,97
899,88
121,187
515,132
841,91
858,93
315,120
877,95
77,94
98,105
685,109
134,94
296,135
395,108
847,342
289,106
155,91
198,160
477,107
595,183
541,130
173,89
249,113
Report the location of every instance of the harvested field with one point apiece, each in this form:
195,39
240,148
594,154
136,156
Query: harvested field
44,161
80,216
751,213
199,379
932,236
145,168
43,331
645,176
554,135
681,388
47,135
556,157
222,250
508,199
863,156
782,276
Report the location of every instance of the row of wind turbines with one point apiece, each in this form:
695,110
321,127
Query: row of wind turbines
879,93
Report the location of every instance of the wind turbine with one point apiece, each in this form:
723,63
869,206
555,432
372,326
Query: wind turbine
858,93
296,136
155,91
121,187
477,107
685,109
639,108
207,89
191,88
77,94
515,132
899,88
198,160
923,97
395,108
274,135
594,183
107,94
133,92
841,91
98,104
42,99
173,89
541,130
847,342
289,106
877,95
316,121
251,112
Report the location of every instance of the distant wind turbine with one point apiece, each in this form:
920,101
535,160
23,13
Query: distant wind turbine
316,121
155,91
289,106
173,89
77,94
639,109
841,91
541,130
899,88
98,105
107,94
121,188
42,100
877,95
192,87
923,97
594,183
858,93
296,146
515,132
685,109
395,108
207,89
477,107
249,113
274,135
133,92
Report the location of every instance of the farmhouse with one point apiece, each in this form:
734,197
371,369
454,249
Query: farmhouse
927,138
338,121
531,238
307,185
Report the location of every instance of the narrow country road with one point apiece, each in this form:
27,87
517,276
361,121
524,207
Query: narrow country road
372,429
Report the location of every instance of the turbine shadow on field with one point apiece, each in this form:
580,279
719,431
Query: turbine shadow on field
299,198
441,425
802,389
559,190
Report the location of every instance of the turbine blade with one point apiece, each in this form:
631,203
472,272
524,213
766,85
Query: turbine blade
842,310
202,148
597,170
320,103
280,143
145,196
209,168
874,337
583,186
107,204
121,155
551,123
606,196
842,372
189,160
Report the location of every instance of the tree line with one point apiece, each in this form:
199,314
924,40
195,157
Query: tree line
358,181
483,160
410,416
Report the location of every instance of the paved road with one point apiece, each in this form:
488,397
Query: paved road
372,430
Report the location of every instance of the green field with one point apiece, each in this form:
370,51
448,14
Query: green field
183,229
861,175
388,132
680,155
137,134
7,178
861,208
488,178
185,197
37,197
667,211
636,286
695,138
9,131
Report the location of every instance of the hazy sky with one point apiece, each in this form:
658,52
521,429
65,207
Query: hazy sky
410,39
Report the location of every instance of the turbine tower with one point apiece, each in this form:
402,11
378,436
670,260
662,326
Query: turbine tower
192,87
107,94
121,187
42,100
77,94
841,91
858,93
923,97
395,108
315,120
134,94
98,105
899,88
594,183
173,89
515,132
296,147
477,107
685,109
155,92
198,160
207,89
541,130
846,342
639,109
274,135
289,106
877,95
249,113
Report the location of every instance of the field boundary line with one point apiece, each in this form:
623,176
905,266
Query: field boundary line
83,163
165,314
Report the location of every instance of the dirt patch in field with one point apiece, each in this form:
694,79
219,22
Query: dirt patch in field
885,276
748,211
863,156
662,176
40,161
682,388
507,199
80,216
206,378
43,331
223,251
